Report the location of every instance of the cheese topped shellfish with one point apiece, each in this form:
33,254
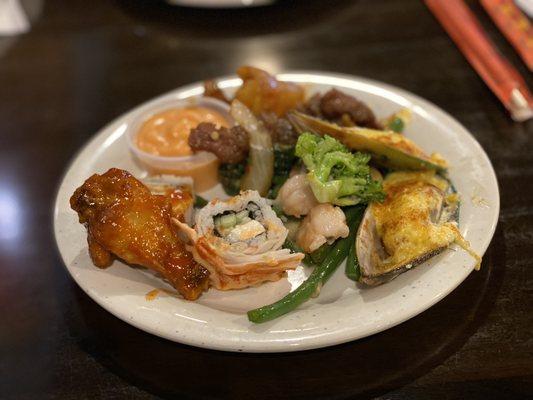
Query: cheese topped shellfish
417,220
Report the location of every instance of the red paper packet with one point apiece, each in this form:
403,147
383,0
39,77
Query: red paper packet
495,70
514,25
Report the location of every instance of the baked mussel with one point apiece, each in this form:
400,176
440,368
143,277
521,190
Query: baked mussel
417,220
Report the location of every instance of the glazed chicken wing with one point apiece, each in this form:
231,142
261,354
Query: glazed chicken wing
124,219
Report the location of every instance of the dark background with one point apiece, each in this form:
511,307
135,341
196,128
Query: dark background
86,62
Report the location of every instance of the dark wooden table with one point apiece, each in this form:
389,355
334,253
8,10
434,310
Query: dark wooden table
86,62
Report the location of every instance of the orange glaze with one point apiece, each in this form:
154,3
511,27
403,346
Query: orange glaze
151,295
167,133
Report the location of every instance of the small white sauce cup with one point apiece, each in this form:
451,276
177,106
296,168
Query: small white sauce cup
201,166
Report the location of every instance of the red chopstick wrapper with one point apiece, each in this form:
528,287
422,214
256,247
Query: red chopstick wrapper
514,25
496,71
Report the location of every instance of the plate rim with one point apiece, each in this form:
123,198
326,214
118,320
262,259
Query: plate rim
196,88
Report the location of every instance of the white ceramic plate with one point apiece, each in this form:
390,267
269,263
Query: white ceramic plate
342,312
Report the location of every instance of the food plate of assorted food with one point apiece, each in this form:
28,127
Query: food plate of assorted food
265,213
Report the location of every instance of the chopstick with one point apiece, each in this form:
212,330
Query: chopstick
495,70
514,25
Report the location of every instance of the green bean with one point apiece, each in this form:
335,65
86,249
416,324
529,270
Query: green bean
396,125
352,266
353,270
320,254
293,247
276,207
199,202
316,280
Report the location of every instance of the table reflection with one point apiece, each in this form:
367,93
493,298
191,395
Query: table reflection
10,215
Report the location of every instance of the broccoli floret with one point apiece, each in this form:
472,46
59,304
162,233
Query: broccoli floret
335,174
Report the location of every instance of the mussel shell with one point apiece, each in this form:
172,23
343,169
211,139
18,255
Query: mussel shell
370,249
387,148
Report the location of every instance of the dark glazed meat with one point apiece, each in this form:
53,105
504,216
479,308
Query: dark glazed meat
342,109
280,129
229,145
312,106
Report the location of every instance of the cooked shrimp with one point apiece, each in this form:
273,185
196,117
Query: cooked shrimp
296,197
324,223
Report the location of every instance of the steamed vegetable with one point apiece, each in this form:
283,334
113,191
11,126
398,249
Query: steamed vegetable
397,121
320,254
294,248
318,277
199,201
230,176
335,174
352,269
283,161
311,259
396,124
260,168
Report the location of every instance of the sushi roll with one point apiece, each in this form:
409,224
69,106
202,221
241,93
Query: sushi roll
240,242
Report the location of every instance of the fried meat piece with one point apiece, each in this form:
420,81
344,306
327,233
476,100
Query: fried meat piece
342,109
262,92
124,219
280,129
230,145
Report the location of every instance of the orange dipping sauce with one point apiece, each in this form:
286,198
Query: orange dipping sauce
167,133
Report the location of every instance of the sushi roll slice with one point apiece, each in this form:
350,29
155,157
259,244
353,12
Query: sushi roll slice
240,242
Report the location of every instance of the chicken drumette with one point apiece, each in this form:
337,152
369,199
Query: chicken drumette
124,219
